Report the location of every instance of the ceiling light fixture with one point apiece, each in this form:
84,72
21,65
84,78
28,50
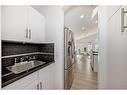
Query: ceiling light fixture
82,16
96,22
83,28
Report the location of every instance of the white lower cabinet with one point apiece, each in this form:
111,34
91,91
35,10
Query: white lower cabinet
46,77
32,86
39,80
23,82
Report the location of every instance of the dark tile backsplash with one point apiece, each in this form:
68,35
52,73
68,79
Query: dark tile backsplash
9,48
48,48
42,57
15,48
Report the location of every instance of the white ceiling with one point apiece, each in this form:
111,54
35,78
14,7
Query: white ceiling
75,23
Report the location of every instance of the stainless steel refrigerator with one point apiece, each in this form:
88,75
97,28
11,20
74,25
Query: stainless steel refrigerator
69,57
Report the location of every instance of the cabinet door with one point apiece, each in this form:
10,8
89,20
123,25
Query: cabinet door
111,10
32,86
46,77
14,23
24,83
36,26
117,52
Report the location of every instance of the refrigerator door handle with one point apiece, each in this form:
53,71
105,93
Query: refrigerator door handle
69,50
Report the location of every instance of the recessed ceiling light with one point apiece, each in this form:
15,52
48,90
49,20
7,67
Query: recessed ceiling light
83,28
82,16
96,22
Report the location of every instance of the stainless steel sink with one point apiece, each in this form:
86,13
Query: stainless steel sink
24,66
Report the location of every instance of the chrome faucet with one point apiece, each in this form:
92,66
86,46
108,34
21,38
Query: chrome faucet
15,61
21,59
34,57
27,58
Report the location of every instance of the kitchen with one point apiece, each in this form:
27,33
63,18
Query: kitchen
29,44
33,46
34,57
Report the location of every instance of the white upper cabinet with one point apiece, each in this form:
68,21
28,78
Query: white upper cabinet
14,23
36,25
22,23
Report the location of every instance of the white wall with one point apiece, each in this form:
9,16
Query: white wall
54,33
83,42
102,57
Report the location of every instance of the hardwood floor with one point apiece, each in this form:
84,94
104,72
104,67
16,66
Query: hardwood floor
84,77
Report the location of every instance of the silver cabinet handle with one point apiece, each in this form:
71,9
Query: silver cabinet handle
29,33
37,86
122,19
41,85
26,32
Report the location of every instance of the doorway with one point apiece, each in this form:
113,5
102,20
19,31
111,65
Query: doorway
83,22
